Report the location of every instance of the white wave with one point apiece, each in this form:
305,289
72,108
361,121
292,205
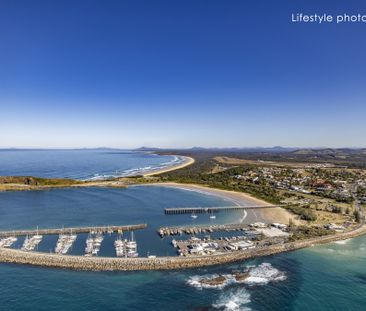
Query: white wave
176,160
233,301
196,281
264,274
257,275
342,242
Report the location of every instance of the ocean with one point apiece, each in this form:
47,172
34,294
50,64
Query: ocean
90,164
326,277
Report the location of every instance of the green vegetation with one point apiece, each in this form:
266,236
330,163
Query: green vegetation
200,173
306,232
304,212
358,216
36,181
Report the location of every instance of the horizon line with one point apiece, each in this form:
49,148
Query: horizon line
180,148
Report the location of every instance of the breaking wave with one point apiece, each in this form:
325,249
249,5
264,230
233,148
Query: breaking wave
196,281
233,301
257,275
342,242
264,274
137,171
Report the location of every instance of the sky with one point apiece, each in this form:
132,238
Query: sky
180,73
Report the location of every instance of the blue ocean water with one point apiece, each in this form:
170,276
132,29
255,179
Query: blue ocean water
81,164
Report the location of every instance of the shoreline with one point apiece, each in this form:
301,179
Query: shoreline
276,214
74,183
187,161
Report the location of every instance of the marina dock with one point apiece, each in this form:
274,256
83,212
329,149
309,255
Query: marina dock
215,209
190,230
75,230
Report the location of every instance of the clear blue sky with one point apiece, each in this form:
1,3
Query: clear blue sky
180,73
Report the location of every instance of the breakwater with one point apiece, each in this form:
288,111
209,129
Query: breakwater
161,263
201,210
74,230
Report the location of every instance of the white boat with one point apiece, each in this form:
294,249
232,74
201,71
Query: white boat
93,244
7,242
212,216
31,243
64,243
119,246
194,216
131,247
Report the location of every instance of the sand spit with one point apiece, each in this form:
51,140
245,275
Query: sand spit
187,161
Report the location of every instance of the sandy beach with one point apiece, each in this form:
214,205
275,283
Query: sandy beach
187,161
276,214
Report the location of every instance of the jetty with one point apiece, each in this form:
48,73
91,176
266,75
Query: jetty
190,230
74,230
214,209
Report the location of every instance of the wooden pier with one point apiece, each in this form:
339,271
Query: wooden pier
73,230
200,210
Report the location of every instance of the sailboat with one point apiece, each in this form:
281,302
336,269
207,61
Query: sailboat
131,247
194,216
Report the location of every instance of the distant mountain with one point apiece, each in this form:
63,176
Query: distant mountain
330,151
222,149
147,149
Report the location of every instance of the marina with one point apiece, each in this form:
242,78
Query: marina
126,248
68,236
191,230
207,246
163,263
75,230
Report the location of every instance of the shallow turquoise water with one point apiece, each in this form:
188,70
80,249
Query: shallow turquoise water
327,277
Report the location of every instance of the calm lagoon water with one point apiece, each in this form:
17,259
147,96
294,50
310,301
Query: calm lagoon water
107,206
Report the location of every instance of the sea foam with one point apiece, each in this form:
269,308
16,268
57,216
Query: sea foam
234,300
257,275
